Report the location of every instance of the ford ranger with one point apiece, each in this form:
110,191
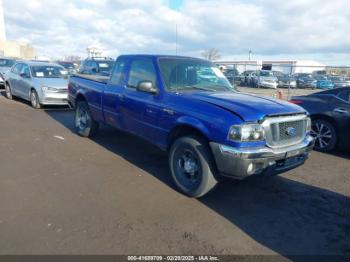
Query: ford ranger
188,108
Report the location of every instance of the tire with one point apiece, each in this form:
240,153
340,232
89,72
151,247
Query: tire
34,99
325,135
8,92
85,125
192,166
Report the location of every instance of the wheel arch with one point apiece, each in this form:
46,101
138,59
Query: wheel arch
183,129
326,118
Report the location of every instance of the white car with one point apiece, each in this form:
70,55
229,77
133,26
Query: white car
265,78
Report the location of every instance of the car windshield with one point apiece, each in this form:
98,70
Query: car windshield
105,66
6,62
266,73
189,74
67,65
48,72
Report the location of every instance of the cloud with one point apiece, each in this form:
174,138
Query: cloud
269,27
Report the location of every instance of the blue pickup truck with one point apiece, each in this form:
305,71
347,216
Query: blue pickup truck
188,108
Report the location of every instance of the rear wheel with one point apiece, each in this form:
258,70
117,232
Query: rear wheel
325,135
8,91
34,99
85,125
191,166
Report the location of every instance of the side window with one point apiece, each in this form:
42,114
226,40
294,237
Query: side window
141,70
93,66
17,69
25,70
345,95
118,72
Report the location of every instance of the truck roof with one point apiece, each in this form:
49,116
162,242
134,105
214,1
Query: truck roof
161,56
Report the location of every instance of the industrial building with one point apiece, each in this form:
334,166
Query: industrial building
285,66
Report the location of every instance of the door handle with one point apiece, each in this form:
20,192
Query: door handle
340,110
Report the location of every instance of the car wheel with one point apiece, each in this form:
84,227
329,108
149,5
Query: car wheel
8,91
192,167
34,99
324,134
85,125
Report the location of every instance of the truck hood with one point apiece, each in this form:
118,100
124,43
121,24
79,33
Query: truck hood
250,108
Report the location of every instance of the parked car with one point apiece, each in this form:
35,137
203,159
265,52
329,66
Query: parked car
305,80
340,81
264,78
233,76
38,82
97,66
5,66
71,67
330,113
207,128
286,81
323,82
247,76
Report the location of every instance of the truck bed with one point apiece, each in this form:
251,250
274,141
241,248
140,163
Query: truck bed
96,78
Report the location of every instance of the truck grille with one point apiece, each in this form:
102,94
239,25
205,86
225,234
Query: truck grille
285,131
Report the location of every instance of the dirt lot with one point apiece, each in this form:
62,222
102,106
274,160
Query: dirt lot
62,194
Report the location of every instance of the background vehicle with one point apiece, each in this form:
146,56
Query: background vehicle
71,67
96,66
233,76
40,83
340,81
286,81
330,113
247,76
305,80
323,82
5,66
264,78
207,128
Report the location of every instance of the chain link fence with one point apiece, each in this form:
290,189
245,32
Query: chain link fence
284,79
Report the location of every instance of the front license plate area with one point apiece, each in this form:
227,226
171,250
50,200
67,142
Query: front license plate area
294,153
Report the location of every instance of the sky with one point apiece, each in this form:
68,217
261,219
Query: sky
272,29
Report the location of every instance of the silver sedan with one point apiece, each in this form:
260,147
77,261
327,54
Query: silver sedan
38,82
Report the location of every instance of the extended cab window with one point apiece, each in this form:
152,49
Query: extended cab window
118,72
141,70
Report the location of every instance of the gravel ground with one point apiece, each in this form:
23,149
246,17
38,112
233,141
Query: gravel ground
62,194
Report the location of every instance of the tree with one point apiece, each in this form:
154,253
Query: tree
211,54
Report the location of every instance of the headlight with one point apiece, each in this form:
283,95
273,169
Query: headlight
49,89
308,124
246,133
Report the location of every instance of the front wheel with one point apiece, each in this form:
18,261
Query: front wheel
192,167
34,100
85,125
325,135
8,91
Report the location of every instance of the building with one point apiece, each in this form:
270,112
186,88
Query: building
17,50
285,66
12,48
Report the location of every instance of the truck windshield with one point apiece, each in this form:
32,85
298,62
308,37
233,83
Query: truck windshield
189,74
48,72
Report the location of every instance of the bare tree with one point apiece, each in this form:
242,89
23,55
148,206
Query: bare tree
211,54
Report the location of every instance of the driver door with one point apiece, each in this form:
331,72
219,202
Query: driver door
24,82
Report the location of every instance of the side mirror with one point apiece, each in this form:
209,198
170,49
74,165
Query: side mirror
24,75
147,87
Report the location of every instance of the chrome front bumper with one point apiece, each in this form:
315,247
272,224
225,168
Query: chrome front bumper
242,162
54,98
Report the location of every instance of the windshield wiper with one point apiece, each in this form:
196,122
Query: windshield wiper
198,88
